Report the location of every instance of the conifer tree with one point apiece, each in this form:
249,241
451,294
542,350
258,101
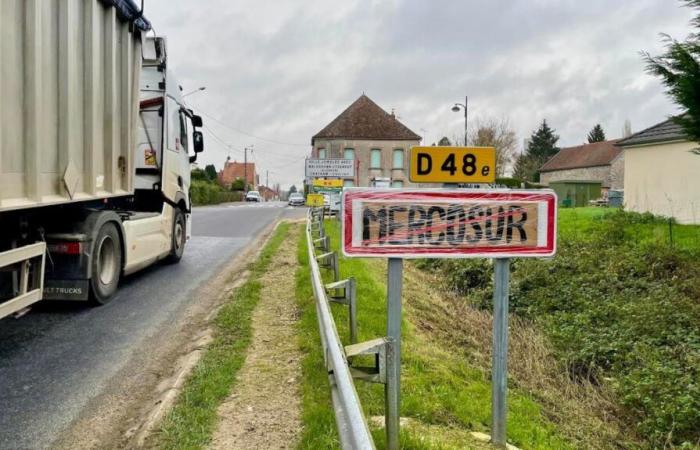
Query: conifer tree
596,134
541,146
679,70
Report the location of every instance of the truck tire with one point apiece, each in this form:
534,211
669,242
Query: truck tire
106,264
179,237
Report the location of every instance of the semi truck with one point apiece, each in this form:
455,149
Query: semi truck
96,144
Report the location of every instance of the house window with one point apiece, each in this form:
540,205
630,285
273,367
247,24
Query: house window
348,183
321,153
349,153
375,161
397,184
398,158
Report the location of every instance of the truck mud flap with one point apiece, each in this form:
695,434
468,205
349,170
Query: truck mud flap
66,289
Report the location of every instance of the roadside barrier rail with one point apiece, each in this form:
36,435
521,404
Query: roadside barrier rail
351,423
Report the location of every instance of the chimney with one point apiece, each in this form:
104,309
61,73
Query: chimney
393,116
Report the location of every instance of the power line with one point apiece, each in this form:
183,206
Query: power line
266,152
199,110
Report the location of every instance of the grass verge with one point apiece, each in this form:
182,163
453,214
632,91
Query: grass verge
619,308
444,397
191,422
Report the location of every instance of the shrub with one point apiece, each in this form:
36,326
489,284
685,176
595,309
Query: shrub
208,193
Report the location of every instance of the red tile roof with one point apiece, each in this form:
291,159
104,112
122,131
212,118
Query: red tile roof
586,155
364,119
234,170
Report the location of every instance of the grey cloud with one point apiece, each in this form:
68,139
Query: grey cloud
283,69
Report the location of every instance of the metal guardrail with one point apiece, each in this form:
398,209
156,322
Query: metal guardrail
351,423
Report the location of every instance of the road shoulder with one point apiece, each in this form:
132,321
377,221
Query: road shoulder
116,417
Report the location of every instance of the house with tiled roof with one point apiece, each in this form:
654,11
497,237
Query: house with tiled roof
603,162
233,171
374,138
662,172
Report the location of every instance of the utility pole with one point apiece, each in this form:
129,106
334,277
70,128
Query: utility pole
267,178
245,169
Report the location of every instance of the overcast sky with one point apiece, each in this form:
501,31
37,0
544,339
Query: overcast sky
276,72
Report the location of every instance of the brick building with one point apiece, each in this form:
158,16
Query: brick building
233,171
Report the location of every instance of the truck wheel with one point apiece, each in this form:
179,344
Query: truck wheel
106,264
179,237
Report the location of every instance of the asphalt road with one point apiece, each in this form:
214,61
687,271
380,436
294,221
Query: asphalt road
57,357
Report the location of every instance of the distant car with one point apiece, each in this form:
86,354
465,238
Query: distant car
253,196
296,199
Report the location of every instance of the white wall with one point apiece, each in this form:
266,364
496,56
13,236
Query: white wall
664,179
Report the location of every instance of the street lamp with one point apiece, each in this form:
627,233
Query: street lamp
196,90
456,108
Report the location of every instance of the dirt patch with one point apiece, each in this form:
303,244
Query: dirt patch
264,410
123,414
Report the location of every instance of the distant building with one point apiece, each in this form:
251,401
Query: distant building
375,139
662,173
268,194
233,171
602,162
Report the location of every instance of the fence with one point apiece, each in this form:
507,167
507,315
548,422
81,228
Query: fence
351,423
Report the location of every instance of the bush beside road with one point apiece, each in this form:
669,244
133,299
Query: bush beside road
620,305
210,193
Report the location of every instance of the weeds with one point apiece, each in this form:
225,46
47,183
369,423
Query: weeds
621,307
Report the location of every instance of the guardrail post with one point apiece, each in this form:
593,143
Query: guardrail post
351,294
392,389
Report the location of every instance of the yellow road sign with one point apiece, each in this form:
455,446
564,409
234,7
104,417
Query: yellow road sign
336,183
453,165
314,200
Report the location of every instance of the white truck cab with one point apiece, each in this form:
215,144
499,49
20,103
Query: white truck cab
97,186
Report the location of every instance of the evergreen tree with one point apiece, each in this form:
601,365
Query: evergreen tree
541,147
211,172
444,142
679,70
596,134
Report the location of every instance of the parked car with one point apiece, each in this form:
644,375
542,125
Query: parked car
296,199
253,196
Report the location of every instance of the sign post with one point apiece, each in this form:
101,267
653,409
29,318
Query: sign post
499,365
392,390
448,223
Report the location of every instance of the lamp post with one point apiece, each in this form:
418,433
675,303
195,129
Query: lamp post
196,90
456,108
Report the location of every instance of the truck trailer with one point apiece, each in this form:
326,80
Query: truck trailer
96,144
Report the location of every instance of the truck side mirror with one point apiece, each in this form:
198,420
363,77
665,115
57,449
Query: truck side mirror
196,121
198,141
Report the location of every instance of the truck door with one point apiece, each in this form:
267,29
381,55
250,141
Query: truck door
176,166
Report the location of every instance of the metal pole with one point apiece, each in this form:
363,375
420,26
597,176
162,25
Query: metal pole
499,370
466,107
392,389
245,169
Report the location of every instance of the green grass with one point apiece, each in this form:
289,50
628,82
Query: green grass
442,394
192,421
645,229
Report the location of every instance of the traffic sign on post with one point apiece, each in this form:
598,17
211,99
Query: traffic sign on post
452,165
314,200
332,168
448,223
332,183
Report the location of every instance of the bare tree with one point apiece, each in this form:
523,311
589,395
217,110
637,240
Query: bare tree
497,133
